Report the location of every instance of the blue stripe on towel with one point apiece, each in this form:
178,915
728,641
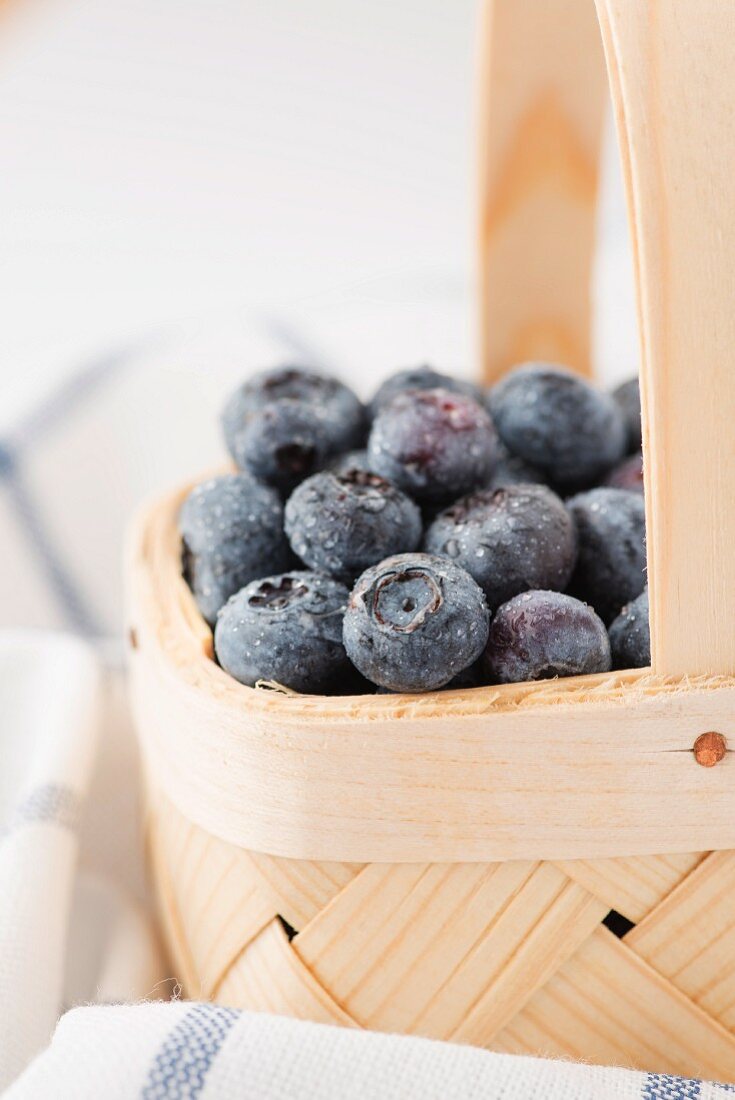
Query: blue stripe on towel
51,803
660,1086
179,1070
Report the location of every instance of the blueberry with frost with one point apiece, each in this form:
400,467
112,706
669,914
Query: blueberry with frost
343,412
287,629
282,443
512,470
420,378
628,475
349,461
611,550
559,423
341,524
434,444
628,397
630,638
540,635
508,539
414,622
232,531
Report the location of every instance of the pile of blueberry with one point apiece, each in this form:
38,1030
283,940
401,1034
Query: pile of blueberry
440,536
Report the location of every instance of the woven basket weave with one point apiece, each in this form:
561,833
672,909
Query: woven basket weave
445,864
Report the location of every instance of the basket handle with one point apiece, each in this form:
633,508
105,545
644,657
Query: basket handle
540,144
671,68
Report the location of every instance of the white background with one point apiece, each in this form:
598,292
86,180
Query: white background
195,178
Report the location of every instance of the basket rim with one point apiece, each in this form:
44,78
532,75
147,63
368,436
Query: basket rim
600,766
154,552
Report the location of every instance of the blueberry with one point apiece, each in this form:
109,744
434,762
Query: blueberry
630,639
343,524
414,622
433,444
469,677
344,415
628,397
232,529
558,422
348,461
539,635
611,551
420,378
628,475
509,540
282,443
286,628
512,470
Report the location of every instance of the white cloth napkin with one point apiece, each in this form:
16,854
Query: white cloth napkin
72,931
48,698
181,1051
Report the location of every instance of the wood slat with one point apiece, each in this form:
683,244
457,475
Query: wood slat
539,152
446,951
214,892
632,886
184,970
299,889
671,66
270,977
607,1005
690,937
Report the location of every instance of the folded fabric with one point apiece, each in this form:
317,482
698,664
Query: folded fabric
48,690
65,936
184,1051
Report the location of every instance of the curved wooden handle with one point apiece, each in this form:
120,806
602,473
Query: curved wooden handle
671,65
672,74
542,99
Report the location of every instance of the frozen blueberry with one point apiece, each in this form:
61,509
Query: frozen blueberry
282,443
558,422
232,529
628,475
341,524
512,470
509,540
630,639
628,397
286,628
344,415
348,461
420,378
539,635
433,444
414,622
611,550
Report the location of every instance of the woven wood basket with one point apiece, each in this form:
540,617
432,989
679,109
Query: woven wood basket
444,864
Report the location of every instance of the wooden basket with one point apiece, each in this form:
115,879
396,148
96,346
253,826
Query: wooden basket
444,864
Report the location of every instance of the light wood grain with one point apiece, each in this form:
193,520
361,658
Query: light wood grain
632,886
671,64
576,769
690,937
508,955
608,1006
542,96
210,884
